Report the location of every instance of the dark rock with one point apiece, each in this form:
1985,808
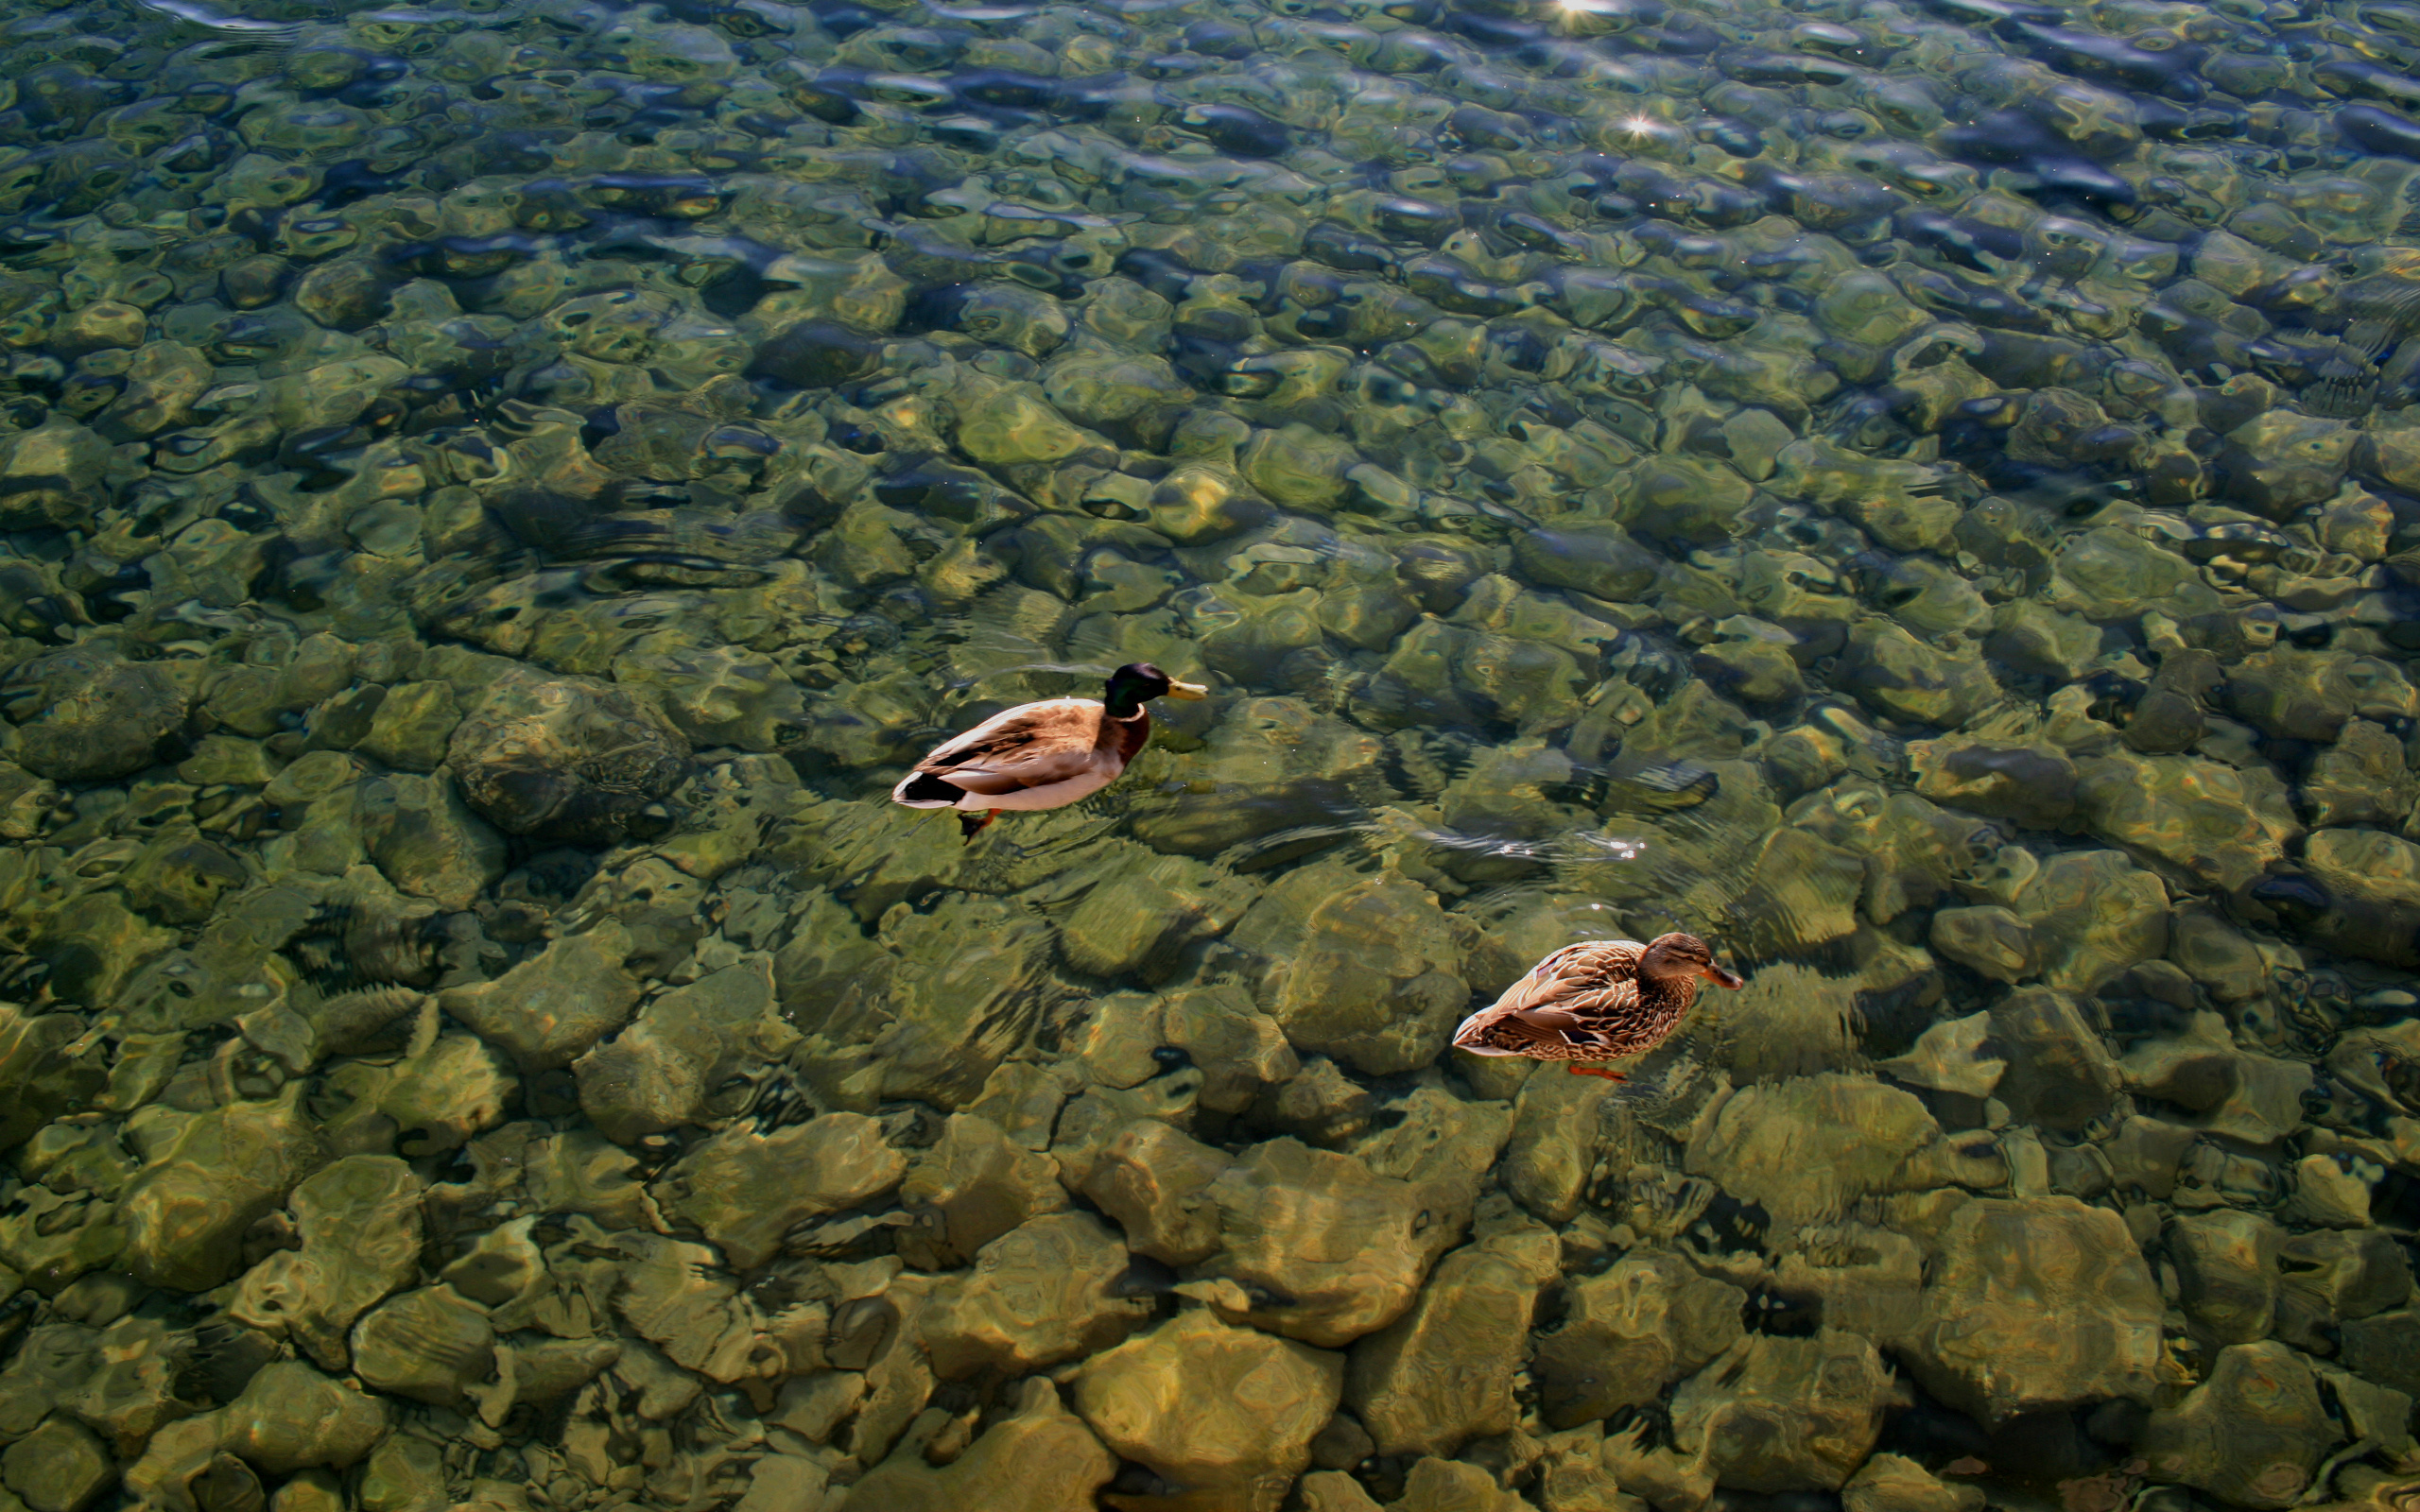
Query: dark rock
567,759
814,355
84,716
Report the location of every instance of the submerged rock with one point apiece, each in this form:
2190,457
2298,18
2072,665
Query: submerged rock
290,1417
1442,1374
1321,1247
2032,785
84,716
1135,920
433,1345
2251,1434
1362,969
1989,940
549,1009
210,1177
1154,1182
2060,1072
567,759
57,1468
976,1185
1268,765
1806,1148
2209,824
674,1062
2340,1280
2226,1266
359,1222
745,1190
418,831
424,1103
932,1021
2362,779
1786,1414
1629,1332
1045,1292
2304,694
1040,1459
2357,891
1905,679
1893,1483
1552,1148
1226,1413
2091,913
2007,1265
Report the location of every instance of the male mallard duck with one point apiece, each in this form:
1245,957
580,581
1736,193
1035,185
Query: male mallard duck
1042,755
1599,1000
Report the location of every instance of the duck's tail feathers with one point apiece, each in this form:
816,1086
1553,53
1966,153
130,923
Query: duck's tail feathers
1468,1036
923,790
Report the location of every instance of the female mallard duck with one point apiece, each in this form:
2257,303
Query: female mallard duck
1043,755
1599,1000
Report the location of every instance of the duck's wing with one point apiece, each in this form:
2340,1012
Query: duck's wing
1592,964
1033,745
1512,1031
1592,979
1563,992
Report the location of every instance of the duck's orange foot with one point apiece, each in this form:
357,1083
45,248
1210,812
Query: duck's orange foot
1578,1070
970,825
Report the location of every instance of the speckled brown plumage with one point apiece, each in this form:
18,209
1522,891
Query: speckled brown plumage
1596,1001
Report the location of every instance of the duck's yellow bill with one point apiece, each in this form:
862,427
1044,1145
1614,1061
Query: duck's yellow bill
1188,690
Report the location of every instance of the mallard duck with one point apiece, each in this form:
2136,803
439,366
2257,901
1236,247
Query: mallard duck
1043,755
1599,1000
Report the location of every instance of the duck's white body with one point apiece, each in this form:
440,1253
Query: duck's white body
1042,755
1034,756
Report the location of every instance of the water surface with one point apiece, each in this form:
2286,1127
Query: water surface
495,495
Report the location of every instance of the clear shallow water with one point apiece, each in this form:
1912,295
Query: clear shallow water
1918,495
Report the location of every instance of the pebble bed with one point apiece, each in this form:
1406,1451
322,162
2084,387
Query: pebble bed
1925,495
